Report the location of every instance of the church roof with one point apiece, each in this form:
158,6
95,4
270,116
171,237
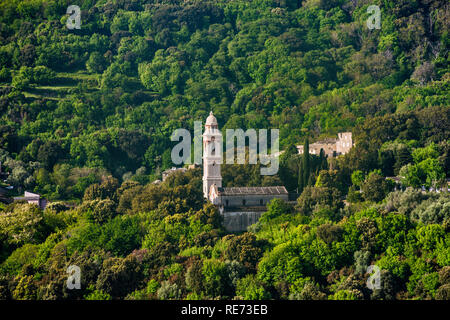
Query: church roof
234,191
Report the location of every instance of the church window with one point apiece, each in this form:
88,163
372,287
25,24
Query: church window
261,202
243,202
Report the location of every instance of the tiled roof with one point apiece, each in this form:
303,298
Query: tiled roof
234,191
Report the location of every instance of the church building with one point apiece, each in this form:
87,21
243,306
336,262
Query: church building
240,206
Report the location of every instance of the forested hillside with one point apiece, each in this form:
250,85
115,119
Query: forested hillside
86,117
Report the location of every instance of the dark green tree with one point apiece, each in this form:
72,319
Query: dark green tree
306,163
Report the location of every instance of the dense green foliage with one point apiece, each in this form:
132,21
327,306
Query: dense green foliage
175,247
108,96
86,115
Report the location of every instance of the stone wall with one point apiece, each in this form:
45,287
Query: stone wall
314,148
239,221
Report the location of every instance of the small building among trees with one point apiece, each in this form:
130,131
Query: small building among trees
331,146
33,198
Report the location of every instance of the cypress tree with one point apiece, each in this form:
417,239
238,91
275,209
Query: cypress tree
305,162
301,186
323,164
288,167
402,157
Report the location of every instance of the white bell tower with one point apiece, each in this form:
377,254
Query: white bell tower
212,155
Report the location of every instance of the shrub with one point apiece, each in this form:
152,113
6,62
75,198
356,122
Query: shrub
433,211
314,198
24,224
168,291
346,295
443,293
275,208
250,288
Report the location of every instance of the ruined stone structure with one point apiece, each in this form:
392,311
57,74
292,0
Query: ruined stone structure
331,147
240,206
344,143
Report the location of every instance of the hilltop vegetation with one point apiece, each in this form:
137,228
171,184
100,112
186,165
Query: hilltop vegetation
108,96
86,115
